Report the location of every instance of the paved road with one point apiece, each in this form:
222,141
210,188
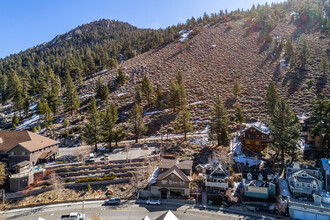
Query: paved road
127,211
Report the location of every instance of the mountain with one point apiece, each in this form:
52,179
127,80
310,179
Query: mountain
283,42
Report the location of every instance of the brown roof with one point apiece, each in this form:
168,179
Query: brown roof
27,139
175,170
168,163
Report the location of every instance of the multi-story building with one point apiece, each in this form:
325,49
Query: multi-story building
173,180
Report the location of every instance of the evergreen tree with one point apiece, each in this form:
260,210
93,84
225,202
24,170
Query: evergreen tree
104,93
324,65
108,125
136,118
147,88
71,99
54,98
119,135
138,92
92,131
47,116
34,130
98,87
320,119
239,116
304,54
236,89
121,77
174,95
183,124
288,48
219,123
271,97
285,128
66,123
15,120
159,96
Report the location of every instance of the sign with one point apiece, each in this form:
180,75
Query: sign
257,189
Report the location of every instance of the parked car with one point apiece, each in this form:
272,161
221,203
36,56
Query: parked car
73,216
106,157
145,147
112,201
153,202
91,157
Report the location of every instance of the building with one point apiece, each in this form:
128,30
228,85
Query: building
20,146
217,178
304,180
173,180
255,138
325,168
258,184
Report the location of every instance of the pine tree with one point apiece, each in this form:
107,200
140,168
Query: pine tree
271,97
304,54
174,95
66,123
320,119
159,96
71,99
121,77
288,48
136,118
98,87
239,116
138,92
183,124
236,89
219,123
104,93
147,88
119,135
324,65
54,98
3,174
108,125
47,116
285,128
92,131
15,120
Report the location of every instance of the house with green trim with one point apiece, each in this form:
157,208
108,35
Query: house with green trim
259,184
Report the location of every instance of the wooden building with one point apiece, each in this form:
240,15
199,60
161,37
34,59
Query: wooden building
255,138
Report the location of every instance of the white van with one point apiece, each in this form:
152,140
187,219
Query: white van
91,157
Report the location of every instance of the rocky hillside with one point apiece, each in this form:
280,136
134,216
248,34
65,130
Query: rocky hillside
220,54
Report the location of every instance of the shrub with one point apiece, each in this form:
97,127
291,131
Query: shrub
44,186
89,187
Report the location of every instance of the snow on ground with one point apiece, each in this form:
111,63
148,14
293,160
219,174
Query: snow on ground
6,106
284,188
153,176
250,161
154,112
121,94
28,122
196,103
203,141
184,35
198,121
33,106
86,96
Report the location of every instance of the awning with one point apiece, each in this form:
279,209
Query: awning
45,155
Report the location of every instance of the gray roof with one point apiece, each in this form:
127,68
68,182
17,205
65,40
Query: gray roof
183,165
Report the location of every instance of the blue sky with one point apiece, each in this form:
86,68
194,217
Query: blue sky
26,23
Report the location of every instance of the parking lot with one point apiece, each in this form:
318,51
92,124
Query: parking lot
69,154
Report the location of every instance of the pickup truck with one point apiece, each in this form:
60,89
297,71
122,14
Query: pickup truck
73,216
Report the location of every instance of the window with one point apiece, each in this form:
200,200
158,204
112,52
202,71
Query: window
314,185
181,183
303,184
291,181
260,177
164,181
170,182
24,153
298,184
172,176
249,176
309,185
12,153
